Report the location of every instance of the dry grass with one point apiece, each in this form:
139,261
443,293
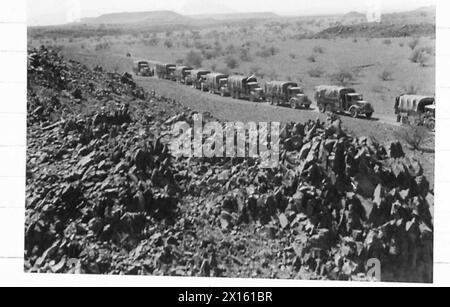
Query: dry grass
231,49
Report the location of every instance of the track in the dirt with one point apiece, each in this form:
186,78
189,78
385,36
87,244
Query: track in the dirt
228,109
179,90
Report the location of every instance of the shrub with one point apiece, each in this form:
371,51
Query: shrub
343,76
231,62
316,72
386,75
244,55
311,59
153,41
413,135
267,52
411,89
168,43
414,43
318,49
420,56
194,59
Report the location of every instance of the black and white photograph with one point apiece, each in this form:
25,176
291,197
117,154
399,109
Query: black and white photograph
262,140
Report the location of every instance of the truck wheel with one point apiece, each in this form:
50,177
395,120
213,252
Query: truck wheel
431,125
354,112
294,105
369,115
222,93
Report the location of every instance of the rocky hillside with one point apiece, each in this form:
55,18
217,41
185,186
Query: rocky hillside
105,195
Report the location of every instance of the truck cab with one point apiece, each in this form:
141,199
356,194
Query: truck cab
223,85
256,93
355,103
297,98
338,99
142,68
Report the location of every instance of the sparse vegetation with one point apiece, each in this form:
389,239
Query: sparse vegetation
414,43
168,43
318,49
311,59
194,59
421,56
316,72
267,52
411,89
386,75
231,62
343,76
414,136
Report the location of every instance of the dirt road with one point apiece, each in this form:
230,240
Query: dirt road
228,109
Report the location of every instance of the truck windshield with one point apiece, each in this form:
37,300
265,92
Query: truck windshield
295,91
357,97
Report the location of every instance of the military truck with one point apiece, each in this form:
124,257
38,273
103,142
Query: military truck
337,99
181,73
216,83
142,68
416,110
196,78
165,71
242,87
286,94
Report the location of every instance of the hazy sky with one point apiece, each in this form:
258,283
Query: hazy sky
46,12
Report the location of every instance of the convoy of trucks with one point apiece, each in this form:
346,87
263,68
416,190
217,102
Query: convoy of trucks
410,109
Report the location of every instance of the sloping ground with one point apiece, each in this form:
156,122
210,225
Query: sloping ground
105,196
377,30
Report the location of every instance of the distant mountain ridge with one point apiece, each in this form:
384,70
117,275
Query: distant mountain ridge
154,17
231,16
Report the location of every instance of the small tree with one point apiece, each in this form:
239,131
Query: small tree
194,59
318,49
343,76
231,62
411,89
386,75
420,56
311,59
414,43
414,136
316,72
168,43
